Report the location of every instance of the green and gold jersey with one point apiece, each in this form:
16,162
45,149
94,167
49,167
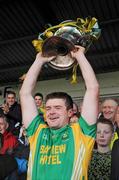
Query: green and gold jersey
61,154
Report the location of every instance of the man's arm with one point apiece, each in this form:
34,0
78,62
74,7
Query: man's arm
91,97
29,109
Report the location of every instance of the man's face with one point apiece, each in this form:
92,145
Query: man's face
3,125
104,134
109,108
38,101
10,99
57,114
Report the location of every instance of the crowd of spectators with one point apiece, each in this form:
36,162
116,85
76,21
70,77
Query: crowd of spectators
14,144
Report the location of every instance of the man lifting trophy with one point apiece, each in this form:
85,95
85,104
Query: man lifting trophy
60,150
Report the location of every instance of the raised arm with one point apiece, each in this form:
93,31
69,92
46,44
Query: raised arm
29,109
91,97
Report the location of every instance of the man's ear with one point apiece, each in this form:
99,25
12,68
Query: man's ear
70,113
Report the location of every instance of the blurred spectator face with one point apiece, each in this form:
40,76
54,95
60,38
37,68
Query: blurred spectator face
10,99
3,125
38,101
75,108
74,113
104,134
109,108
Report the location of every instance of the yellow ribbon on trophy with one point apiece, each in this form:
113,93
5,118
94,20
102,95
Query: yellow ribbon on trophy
74,75
88,26
85,26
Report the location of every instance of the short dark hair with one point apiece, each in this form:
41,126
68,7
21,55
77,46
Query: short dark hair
61,95
10,92
38,94
106,121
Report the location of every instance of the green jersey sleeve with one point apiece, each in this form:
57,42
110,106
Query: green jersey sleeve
87,129
34,125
